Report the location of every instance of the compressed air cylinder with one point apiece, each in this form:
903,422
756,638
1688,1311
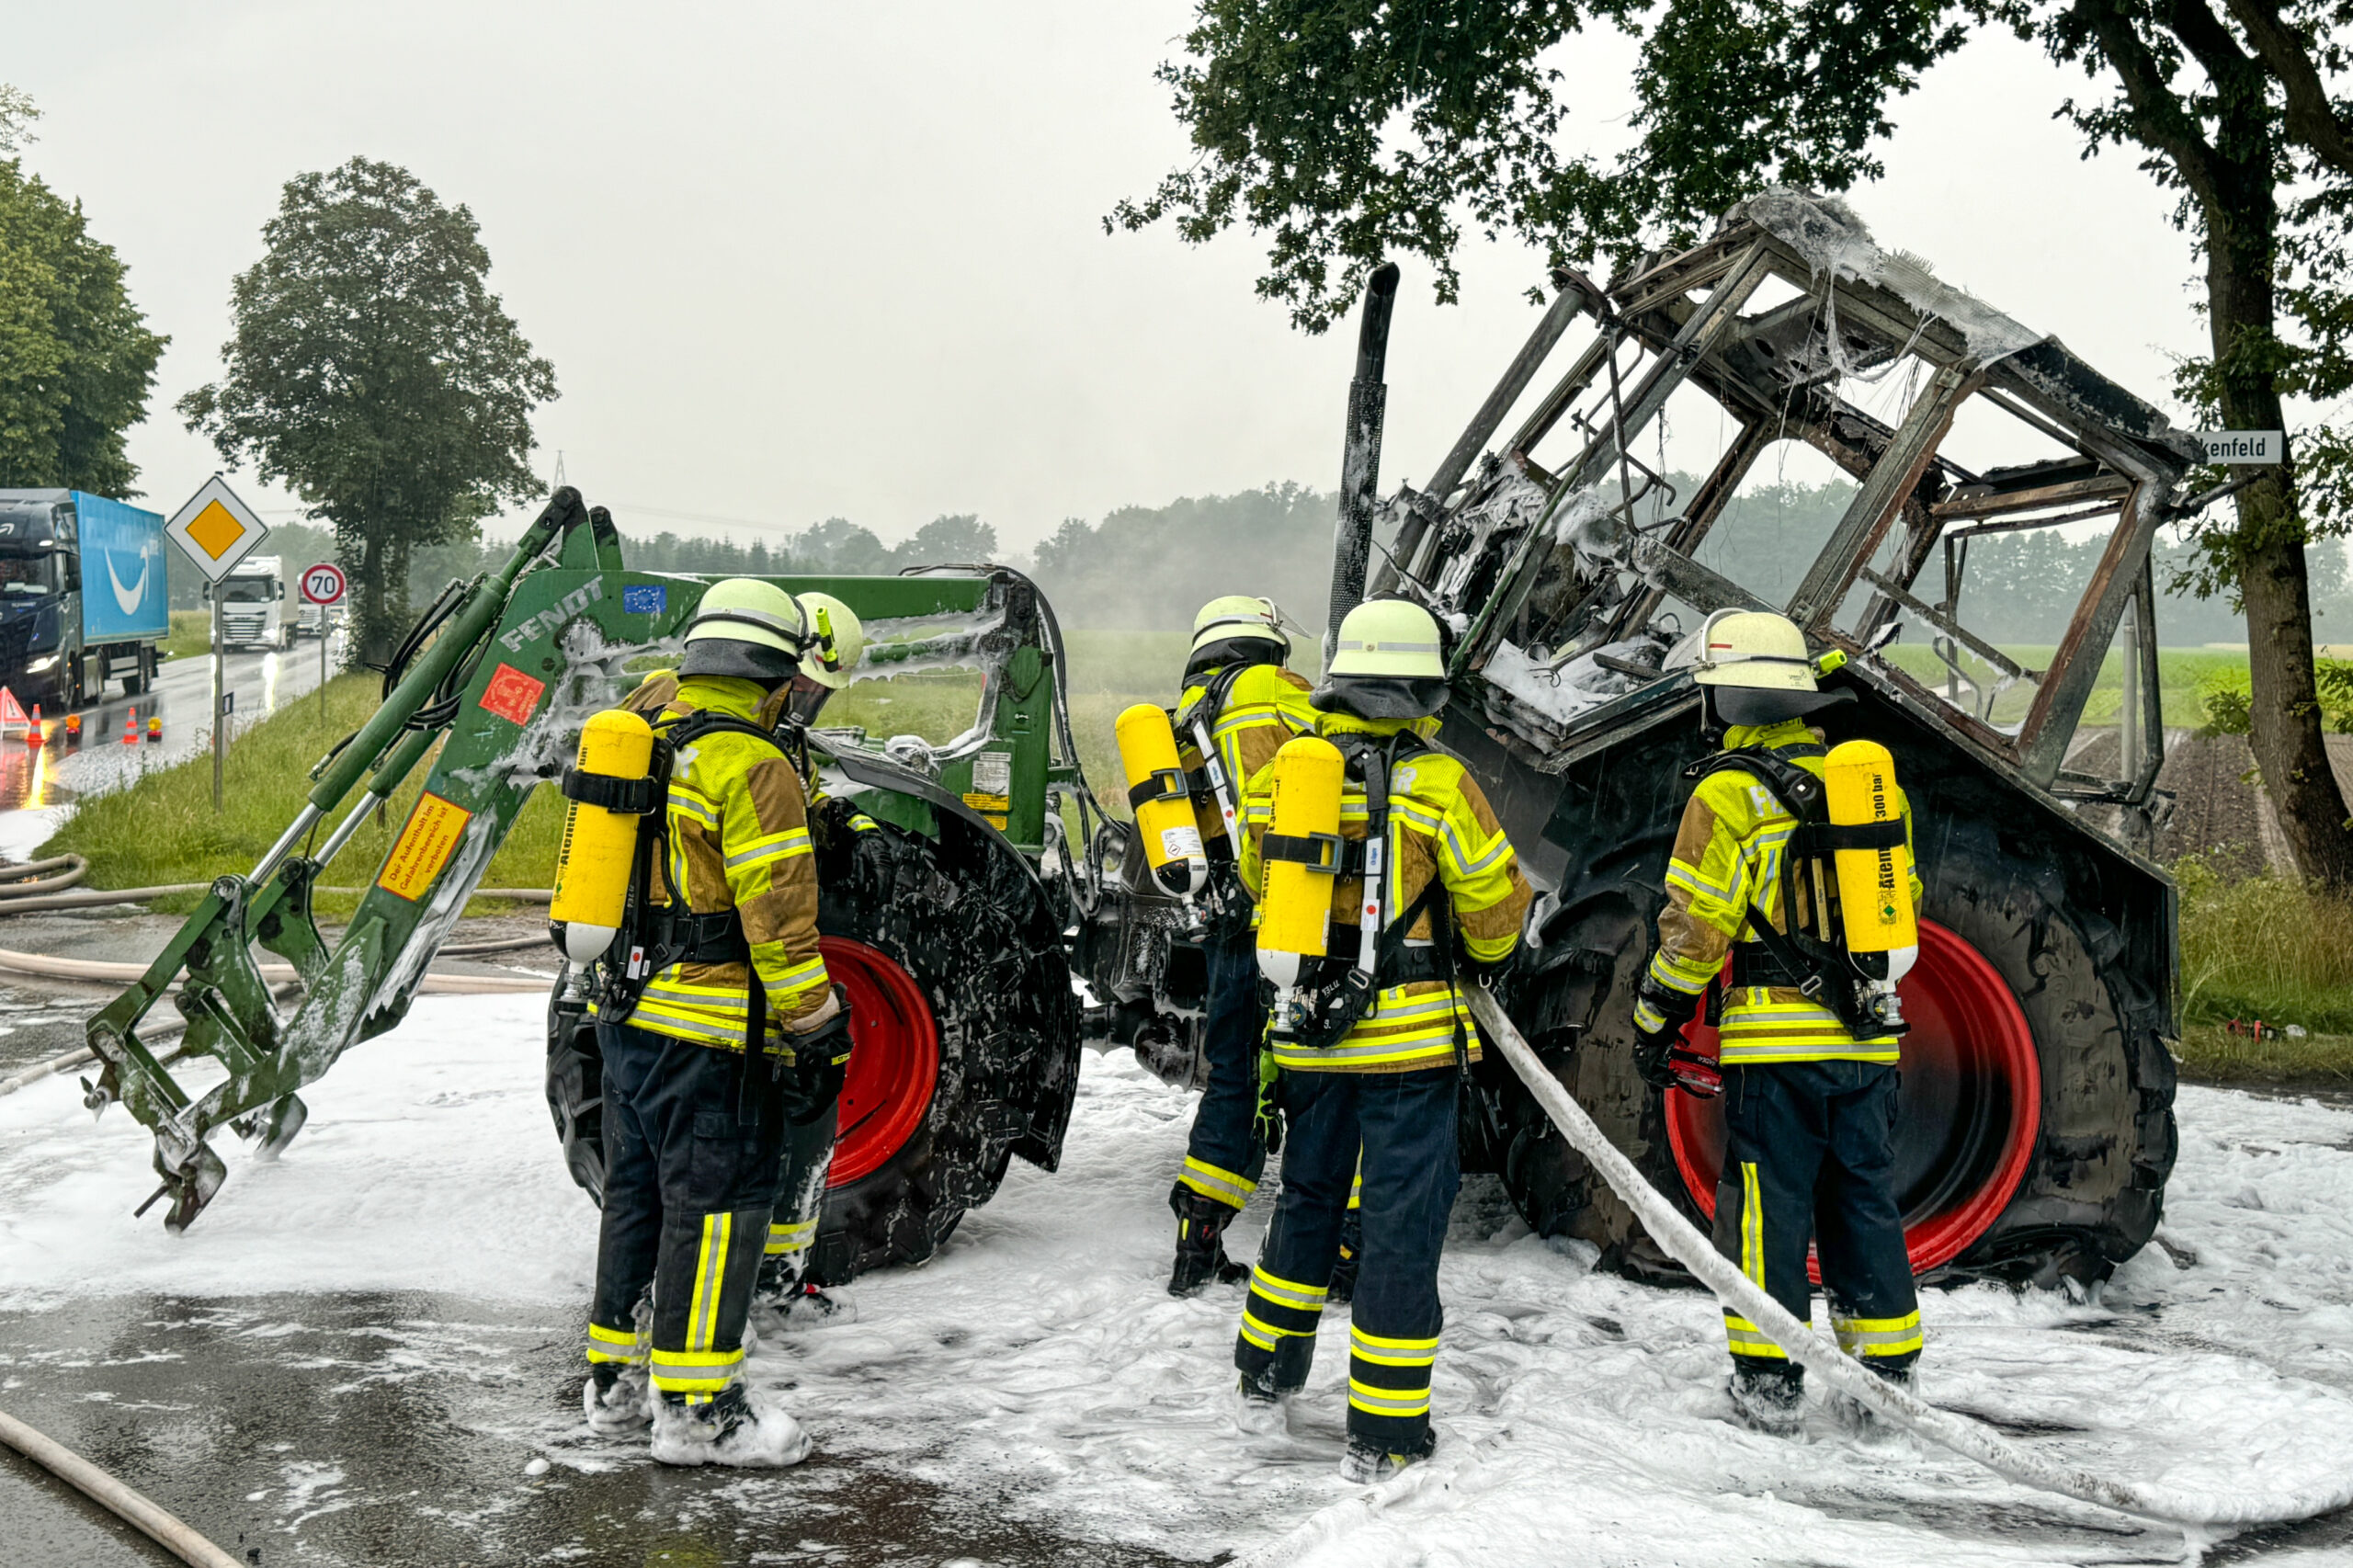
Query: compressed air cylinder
1874,885
1171,840
592,869
1295,907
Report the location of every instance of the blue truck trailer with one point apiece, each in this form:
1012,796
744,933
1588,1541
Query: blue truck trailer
83,599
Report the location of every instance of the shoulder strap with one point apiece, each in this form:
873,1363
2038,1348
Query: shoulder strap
688,728
1212,702
1800,792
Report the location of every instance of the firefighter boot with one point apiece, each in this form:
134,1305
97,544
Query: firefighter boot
1858,1418
1201,1243
1368,1463
1262,1410
1769,1398
735,1427
614,1399
785,1303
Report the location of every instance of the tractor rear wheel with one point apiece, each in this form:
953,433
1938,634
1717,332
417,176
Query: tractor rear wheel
2036,1126
964,1034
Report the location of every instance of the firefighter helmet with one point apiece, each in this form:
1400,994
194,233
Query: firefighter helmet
837,637
747,628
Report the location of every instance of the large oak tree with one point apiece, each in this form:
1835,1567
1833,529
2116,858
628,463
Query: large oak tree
374,372
1352,131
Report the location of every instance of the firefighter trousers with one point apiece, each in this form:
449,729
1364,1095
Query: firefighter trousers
1404,1123
1810,1157
1224,1157
800,1197
688,1187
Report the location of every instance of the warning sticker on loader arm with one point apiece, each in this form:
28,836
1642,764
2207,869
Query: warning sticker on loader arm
425,847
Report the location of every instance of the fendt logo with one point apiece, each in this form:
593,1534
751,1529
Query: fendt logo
550,620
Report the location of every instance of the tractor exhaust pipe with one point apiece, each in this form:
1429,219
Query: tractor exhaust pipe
1361,454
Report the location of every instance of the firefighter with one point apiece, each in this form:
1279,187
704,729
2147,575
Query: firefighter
1239,696
786,1299
1809,1098
722,1040
1370,1062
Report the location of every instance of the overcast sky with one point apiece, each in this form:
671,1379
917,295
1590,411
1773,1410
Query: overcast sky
793,260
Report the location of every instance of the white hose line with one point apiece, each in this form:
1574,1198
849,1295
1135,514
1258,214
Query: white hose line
26,880
163,1528
1969,1439
434,984
98,898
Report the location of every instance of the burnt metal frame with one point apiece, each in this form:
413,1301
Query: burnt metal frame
1902,477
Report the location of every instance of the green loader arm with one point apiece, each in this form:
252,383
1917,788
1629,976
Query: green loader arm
528,655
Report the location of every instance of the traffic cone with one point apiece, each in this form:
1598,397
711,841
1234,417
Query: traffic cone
35,735
130,728
154,728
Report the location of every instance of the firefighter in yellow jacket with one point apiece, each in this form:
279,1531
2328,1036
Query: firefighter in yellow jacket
1373,1060
1809,1083
720,1031
1241,700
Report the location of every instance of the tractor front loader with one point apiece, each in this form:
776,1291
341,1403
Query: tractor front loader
945,920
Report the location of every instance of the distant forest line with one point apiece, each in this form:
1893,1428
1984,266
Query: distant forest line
1150,567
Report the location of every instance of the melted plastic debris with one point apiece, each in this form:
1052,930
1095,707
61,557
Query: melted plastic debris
1037,1366
1834,242
1578,686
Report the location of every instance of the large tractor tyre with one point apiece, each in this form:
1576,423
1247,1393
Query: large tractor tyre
964,1038
965,1033
2036,1129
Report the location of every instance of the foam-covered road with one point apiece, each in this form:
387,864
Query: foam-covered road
367,1353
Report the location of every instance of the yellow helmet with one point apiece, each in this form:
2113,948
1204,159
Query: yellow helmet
747,628
837,637
1753,648
1234,616
1395,639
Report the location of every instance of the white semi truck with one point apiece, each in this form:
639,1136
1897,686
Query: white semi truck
253,605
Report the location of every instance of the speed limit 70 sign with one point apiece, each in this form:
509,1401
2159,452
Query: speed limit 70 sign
323,584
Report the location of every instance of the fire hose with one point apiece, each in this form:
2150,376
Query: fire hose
1969,1439
164,1528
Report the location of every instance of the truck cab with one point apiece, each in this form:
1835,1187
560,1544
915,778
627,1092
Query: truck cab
253,605
61,640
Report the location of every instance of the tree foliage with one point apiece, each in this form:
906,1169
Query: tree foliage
76,359
374,372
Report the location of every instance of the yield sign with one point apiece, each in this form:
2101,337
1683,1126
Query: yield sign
215,529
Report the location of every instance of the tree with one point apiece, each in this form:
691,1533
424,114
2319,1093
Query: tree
374,372
963,540
76,359
1352,131
839,545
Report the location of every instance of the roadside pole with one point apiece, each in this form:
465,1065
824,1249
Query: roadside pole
215,531
220,689
323,586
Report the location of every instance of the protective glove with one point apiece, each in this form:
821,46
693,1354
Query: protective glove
1268,1118
1660,1059
820,1064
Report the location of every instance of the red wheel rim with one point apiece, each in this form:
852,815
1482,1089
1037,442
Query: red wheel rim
1971,1105
893,1058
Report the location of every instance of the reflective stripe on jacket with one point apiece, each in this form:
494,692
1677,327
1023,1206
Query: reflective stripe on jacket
1265,706
1725,871
739,839
1439,826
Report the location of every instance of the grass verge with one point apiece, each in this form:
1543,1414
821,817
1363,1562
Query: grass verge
191,634
163,829
2263,947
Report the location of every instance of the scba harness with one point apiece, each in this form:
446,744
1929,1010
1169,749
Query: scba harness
1333,993
653,937
1852,985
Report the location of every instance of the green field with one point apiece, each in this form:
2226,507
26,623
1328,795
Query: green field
2179,672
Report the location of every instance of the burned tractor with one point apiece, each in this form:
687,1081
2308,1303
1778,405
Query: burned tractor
2037,1126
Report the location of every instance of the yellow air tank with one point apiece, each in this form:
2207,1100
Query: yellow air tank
592,869
1163,808
1874,885
1295,909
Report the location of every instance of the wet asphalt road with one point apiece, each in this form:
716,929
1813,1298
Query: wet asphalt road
64,769
391,1430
